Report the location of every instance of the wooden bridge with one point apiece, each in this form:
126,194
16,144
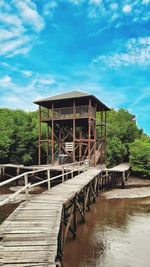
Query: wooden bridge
35,233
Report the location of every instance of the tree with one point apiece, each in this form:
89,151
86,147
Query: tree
116,151
19,135
6,129
122,124
121,132
140,156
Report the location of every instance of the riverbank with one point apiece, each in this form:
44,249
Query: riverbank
6,192
134,188
128,193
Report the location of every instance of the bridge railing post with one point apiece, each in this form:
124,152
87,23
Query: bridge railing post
26,190
75,216
48,181
63,176
78,166
123,179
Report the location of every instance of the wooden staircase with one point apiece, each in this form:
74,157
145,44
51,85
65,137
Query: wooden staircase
100,152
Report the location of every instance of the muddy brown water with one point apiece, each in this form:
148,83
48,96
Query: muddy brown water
7,209
116,234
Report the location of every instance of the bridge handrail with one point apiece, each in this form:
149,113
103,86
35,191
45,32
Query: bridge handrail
40,170
56,177
27,185
6,200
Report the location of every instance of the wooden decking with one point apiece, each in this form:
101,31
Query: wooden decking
120,168
29,236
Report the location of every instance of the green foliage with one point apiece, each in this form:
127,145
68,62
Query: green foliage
116,151
121,132
6,129
140,155
18,136
122,124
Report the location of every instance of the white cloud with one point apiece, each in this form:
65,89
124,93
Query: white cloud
20,51
5,81
9,34
27,73
22,95
113,12
127,9
46,81
145,2
10,20
49,7
29,14
13,45
95,2
20,22
136,51
76,2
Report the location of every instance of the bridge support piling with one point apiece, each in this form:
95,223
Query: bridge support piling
2,172
60,243
75,216
123,179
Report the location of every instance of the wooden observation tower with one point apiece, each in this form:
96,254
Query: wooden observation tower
69,130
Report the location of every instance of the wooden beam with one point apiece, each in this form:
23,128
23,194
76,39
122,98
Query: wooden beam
52,134
74,129
105,136
39,142
89,129
68,224
75,215
81,212
59,140
95,139
80,145
47,147
86,198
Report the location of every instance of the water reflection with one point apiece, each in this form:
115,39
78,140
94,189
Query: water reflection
117,233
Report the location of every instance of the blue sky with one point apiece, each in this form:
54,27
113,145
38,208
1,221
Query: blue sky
99,46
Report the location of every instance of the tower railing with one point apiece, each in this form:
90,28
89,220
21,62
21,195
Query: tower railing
69,113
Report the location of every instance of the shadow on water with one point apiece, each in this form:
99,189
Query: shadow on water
6,210
116,233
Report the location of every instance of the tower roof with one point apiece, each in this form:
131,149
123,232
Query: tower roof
81,98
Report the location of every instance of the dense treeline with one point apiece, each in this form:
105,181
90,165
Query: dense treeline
125,142
18,136
140,155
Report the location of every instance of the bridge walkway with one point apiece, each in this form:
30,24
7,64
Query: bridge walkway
29,236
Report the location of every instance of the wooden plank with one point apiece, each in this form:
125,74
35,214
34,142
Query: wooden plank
31,265
30,233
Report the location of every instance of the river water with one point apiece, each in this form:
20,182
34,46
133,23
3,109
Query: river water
116,234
